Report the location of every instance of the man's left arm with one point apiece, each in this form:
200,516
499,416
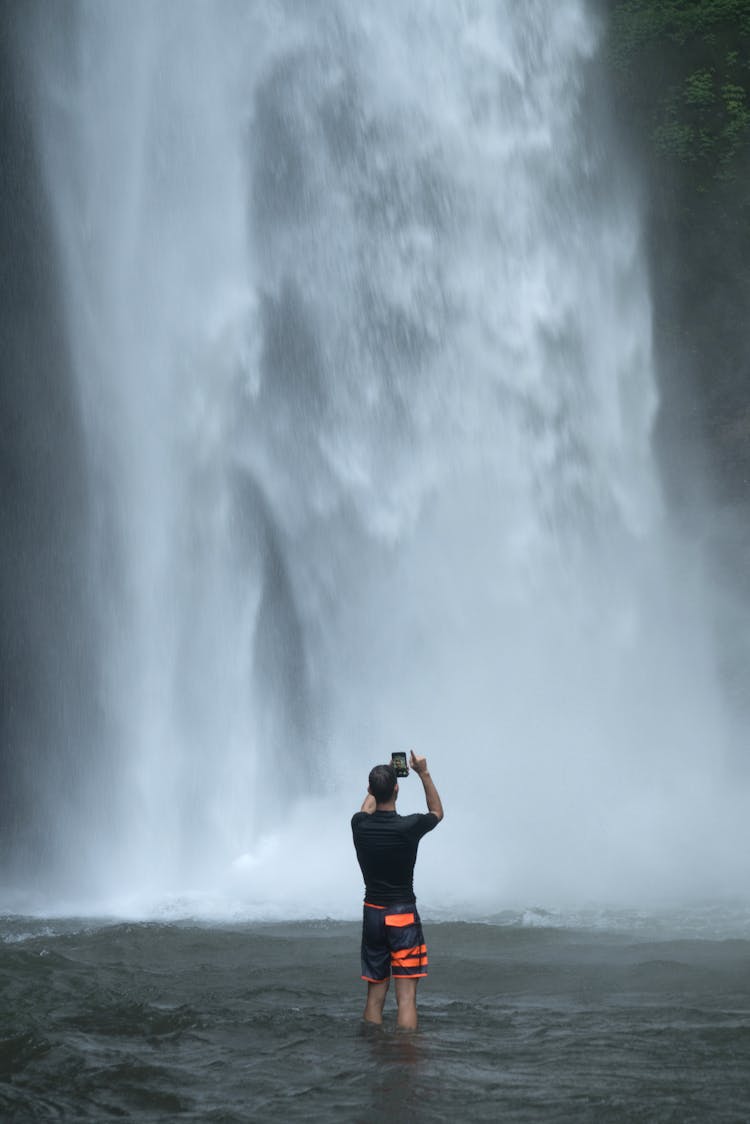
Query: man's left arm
369,804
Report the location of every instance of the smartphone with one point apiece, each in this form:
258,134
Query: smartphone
398,760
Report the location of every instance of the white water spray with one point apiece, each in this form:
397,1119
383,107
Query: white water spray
362,329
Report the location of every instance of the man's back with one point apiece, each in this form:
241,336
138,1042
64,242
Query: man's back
386,845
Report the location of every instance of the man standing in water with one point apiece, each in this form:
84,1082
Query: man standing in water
386,844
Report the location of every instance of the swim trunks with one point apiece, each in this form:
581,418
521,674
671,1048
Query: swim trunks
392,943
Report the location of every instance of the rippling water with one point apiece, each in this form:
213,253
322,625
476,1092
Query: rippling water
525,1018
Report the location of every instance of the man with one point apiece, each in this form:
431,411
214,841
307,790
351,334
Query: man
386,844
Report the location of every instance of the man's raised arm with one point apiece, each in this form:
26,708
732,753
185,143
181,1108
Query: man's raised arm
369,804
434,804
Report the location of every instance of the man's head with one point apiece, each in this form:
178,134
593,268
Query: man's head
383,784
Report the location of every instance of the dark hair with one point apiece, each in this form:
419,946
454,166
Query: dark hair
382,783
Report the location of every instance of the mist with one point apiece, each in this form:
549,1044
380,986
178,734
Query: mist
358,340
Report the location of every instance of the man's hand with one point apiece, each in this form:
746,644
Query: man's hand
418,764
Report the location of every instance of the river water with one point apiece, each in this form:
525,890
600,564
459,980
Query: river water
527,1017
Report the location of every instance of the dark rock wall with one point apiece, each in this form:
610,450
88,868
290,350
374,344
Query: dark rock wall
680,84
47,670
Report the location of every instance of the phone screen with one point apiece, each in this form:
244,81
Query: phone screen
398,760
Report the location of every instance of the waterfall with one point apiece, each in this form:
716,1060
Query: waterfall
359,320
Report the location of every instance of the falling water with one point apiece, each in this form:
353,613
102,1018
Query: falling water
358,312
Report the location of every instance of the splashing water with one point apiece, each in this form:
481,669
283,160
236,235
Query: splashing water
361,328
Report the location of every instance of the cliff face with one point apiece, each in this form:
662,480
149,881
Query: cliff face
681,91
47,669
681,75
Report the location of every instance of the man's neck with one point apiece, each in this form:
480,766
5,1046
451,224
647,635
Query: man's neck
389,806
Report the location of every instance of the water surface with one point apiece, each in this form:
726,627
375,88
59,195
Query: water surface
524,1019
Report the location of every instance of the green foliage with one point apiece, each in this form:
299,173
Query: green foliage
735,132
683,68
699,88
638,23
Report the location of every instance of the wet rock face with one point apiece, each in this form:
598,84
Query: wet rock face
681,93
45,657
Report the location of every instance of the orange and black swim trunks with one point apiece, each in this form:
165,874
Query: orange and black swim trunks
392,943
